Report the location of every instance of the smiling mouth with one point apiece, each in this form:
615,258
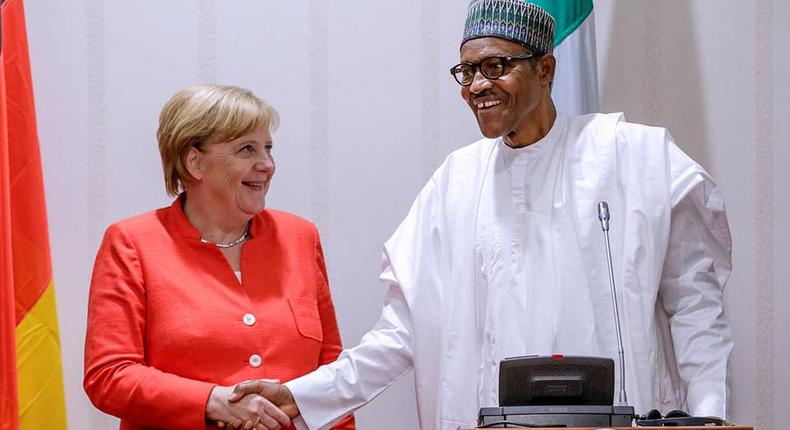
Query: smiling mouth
257,185
488,104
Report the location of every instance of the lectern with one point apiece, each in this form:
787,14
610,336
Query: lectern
636,428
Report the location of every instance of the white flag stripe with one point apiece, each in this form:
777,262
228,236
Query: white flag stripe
576,79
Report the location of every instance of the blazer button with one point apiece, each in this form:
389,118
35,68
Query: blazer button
248,319
255,360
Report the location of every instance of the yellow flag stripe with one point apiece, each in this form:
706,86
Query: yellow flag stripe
42,403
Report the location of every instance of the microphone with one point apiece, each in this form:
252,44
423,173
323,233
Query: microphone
603,216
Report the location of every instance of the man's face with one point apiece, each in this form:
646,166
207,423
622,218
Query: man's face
503,106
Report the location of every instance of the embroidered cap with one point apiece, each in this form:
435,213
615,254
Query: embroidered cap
514,20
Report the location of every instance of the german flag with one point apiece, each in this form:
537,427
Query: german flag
31,375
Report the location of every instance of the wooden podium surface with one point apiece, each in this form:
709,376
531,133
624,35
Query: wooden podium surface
644,428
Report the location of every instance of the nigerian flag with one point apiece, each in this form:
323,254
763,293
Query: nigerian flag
576,80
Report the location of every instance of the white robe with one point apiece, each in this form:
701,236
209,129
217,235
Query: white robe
502,254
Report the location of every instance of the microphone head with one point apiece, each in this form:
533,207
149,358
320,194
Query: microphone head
603,215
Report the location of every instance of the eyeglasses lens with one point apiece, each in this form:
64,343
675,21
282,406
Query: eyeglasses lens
492,68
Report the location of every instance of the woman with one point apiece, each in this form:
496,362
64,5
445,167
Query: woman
190,299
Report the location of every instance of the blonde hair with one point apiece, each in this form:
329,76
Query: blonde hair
205,114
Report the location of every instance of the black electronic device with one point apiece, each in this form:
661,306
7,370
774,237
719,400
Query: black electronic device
677,418
556,416
556,380
556,391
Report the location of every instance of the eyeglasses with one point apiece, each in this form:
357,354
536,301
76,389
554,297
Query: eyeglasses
491,68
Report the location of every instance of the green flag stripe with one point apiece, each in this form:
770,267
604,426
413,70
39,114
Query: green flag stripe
568,15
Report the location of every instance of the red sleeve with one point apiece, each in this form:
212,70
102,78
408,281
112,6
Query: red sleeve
117,379
332,345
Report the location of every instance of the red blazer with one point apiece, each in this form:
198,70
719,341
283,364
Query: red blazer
168,319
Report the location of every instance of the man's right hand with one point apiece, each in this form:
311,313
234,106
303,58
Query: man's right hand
250,412
278,394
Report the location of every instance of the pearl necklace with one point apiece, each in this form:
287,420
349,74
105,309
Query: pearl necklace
241,239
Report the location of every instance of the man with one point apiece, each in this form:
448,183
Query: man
502,253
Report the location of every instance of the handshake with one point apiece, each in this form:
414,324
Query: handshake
261,404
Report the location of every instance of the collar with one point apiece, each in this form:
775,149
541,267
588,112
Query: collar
509,155
180,223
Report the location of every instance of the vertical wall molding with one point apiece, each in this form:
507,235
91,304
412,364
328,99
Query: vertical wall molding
97,133
96,98
319,114
429,115
207,43
764,214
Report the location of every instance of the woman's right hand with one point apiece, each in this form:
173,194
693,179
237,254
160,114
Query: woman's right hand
251,412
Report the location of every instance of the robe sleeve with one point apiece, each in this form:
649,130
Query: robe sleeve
332,345
696,267
385,353
117,379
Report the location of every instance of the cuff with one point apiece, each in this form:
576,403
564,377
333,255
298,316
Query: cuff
707,399
299,423
315,413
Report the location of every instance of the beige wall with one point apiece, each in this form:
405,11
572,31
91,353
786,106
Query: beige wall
369,110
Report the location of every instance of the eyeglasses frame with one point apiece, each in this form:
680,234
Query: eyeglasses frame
506,59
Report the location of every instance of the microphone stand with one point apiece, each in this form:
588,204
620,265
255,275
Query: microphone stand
603,216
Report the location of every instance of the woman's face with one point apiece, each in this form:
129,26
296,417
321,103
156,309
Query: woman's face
235,175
